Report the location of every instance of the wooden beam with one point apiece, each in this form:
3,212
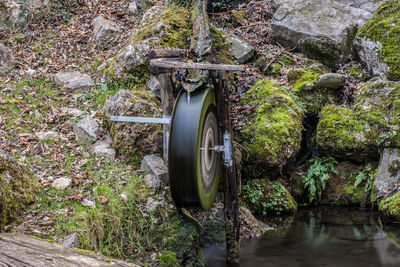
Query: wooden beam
165,63
229,175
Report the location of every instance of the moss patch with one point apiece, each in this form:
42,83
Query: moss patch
312,99
273,133
266,197
391,206
358,132
16,189
384,27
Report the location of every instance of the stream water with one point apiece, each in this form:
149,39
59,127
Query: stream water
320,237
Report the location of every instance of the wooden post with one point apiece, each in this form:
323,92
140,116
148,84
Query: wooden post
231,199
167,97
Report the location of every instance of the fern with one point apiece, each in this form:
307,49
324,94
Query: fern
367,176
317,175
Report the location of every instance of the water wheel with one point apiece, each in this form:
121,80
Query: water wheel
194,164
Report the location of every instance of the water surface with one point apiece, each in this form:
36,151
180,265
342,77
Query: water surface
321,237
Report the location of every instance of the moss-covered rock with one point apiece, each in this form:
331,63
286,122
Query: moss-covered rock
133,140
391,206
342,189
312,97
273,132
159,28
378,41
356,133
15,189
266,197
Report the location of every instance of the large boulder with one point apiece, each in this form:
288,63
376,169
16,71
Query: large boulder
388,177
6,59
272,133
133,140
323,29
378,41
15,189
159,27
357,133
367,5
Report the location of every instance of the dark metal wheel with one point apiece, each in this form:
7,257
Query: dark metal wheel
194,168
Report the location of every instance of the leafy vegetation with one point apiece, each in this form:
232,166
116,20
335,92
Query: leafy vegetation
268,196
317,175
366,176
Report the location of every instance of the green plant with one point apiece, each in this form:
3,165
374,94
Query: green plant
317,175
367,176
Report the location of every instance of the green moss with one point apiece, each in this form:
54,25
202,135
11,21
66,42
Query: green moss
391,206
238,17
265,197
220,48
168,259
273,133
338,128
175,28
275,69
357,73
285,60
16,191
384,27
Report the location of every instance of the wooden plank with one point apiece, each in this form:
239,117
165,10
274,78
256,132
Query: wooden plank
20,250
229,175
169,64
168,101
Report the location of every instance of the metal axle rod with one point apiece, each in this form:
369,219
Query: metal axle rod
166,120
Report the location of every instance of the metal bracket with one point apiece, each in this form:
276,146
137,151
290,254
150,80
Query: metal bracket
227,154
166,120
226,150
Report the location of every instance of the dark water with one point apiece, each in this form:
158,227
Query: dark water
321,237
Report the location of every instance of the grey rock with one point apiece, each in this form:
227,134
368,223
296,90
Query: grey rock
152,13
85,130
152,204
71,241
104,29
367,5
154,86
61,183
331,80
103,149
74,112
152,181
368,51
323,29
48,135
388,176
241,50
74,80
133,56
88,203
214,225
6,59
154,165
31,72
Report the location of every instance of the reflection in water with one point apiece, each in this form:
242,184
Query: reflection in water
321,237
